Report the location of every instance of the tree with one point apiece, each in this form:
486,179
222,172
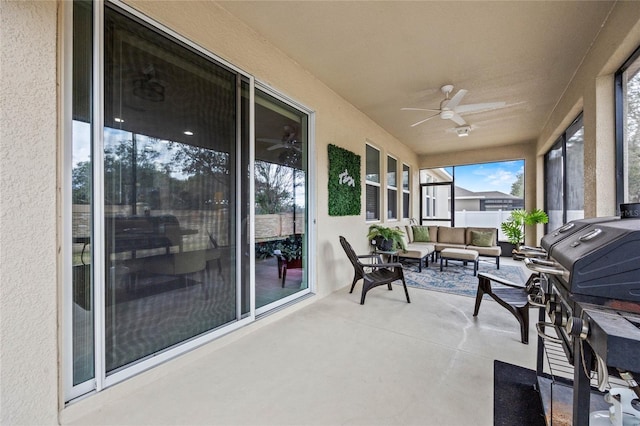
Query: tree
517,187
81,183
632,137
273,182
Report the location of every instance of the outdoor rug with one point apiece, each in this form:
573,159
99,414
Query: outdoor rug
458,279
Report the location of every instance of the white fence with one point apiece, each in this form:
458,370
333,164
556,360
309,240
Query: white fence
490,219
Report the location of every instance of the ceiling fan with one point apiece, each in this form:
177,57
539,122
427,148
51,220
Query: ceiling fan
288,141
450,109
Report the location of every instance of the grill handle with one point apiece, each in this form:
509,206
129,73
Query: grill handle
542,266
545,336
528,251
564,228
533,301
534,249
591,235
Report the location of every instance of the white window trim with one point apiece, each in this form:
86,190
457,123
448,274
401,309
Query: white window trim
407,190
368,182
392,188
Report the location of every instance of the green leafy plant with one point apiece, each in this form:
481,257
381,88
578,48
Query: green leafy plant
386,238
513,227
291,247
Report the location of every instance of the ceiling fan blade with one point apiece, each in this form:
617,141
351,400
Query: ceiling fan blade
458,120
422,121
278,141
279,146
463,109
456,99
419,109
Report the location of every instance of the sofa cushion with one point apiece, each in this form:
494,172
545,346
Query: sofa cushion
442,246
492,251
494,235
421,234
482,238
409,233
433,233
417,250
448,235
404,237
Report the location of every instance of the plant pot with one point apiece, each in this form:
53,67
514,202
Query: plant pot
294,263
506,248
384,244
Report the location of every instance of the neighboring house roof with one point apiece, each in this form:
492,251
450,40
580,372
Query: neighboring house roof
465,193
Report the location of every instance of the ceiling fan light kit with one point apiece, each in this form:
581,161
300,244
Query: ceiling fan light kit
463,131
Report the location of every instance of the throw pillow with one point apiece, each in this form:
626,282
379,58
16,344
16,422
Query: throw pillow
481,239
421,234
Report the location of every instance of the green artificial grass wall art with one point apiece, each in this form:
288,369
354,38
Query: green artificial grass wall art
344,182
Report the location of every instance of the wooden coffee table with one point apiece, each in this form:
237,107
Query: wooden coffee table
462,255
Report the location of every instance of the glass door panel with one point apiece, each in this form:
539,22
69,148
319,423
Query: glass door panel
82,308
171,192
281,200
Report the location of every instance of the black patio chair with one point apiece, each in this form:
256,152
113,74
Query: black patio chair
373,274
513,297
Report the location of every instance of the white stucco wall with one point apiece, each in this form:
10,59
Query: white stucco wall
28,285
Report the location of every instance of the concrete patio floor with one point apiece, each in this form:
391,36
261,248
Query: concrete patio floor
332,362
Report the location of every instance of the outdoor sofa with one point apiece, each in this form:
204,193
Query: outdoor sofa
424,241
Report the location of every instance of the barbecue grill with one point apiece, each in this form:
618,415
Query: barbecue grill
590,288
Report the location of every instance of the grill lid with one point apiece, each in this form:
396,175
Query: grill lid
570,228
603,259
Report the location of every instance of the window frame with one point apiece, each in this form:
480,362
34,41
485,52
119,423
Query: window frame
561,142
406,191
372,184
392,190
621,151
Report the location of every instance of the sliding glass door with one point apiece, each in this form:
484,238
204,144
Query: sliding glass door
280,171
161,196
188,195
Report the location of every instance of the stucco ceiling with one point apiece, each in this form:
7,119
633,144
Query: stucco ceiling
384,55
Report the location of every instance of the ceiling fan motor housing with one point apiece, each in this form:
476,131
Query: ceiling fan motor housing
447,114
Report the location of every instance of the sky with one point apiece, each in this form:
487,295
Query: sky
489,176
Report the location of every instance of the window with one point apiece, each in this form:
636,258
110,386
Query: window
392,188
372,183
628,130
480,195
406,192
564,176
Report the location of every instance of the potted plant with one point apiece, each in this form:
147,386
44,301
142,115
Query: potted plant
291,247
386,239
513,227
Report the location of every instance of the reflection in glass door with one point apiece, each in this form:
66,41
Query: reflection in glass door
280,175
172,135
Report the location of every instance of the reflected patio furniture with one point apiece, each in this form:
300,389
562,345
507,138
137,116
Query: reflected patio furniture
132,233
284,264
179,264
513,297
373,274
213,253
